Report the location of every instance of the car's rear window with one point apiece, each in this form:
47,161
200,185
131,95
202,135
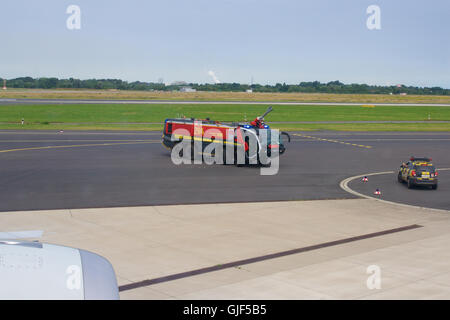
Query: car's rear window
424,168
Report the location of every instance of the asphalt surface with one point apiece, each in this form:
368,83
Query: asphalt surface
4,101
52,170
392,190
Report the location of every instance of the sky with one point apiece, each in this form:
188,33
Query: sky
270,41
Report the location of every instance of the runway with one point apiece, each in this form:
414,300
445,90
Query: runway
5,101
52,170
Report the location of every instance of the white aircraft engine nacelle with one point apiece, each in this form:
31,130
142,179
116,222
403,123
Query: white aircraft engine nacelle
37,271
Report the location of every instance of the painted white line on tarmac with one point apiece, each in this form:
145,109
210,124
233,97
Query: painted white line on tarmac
344,185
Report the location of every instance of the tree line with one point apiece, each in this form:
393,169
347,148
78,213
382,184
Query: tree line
305,87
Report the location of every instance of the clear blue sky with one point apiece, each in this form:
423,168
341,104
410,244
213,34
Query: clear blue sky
273,41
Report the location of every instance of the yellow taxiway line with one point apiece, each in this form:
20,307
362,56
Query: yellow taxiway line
79,145
333,140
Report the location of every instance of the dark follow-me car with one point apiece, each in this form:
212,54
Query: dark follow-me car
418,172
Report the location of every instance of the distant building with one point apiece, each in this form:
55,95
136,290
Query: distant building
187,89
178,83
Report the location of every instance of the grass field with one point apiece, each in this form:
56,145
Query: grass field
150,117
218,96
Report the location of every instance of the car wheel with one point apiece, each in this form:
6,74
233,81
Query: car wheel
410,184
434,187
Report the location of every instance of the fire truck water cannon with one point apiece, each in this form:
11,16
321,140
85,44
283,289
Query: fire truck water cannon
259,121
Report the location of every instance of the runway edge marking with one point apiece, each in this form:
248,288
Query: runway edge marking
344,185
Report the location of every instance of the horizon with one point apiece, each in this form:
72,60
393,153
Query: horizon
187,83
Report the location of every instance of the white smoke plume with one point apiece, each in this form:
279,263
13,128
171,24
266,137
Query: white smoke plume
213,75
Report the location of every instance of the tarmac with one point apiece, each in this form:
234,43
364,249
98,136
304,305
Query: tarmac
53,170
226,232
323,249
